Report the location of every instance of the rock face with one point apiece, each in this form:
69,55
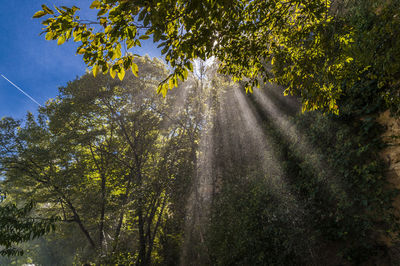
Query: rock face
391,155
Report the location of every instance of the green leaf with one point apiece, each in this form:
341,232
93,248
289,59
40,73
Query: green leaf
189,66
117,52
39,14
104,68
59,10
130,43
101,12
164,50
185,73
162,44
156,36
131,32
47,10
144,37
146,20
77,36
141,15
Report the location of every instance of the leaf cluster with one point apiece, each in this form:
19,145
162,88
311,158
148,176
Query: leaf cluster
18,226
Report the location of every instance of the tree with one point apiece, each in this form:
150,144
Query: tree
295,43
108,156
17,224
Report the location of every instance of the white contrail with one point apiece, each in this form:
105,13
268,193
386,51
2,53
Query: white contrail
26,94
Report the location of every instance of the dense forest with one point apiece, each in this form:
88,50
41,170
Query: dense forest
218,171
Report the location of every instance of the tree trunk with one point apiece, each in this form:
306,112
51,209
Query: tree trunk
142,239
79,222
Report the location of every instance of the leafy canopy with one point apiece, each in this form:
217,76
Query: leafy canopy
281,41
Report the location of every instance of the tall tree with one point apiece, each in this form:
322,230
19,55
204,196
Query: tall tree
109,157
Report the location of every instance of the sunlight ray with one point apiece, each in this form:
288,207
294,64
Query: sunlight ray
300,143
199,202
244,140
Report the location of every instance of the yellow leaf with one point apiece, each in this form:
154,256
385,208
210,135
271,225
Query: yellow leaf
349,59
286,92
134,69
39,14
95,4
165,89
77,36
49,36
61,40
108,29
121,74
95,70
249,89
112,72
162,88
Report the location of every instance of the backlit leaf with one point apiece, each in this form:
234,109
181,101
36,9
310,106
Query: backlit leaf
121,73
134,69
39,14
95,4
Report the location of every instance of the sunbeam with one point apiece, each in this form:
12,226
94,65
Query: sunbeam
297,139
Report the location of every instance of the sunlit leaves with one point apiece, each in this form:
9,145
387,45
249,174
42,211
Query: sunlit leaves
242,35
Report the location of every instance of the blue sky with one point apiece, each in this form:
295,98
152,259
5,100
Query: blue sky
37,66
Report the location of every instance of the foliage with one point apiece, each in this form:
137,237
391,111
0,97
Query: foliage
107,157
255,226
316,49
245,36
340,200
339,179
376,46
16,226
122,151
349,200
